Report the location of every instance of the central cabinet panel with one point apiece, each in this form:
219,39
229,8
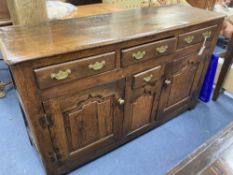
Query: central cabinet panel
142,94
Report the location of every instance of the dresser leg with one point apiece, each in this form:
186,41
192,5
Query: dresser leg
193,104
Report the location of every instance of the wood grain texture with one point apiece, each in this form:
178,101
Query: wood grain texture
142,100
197,36
43,75
149,50
72,121
178,84
18,43
93,10
85,121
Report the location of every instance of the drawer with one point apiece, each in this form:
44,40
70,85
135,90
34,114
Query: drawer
147,77
148,51
196,36
64,72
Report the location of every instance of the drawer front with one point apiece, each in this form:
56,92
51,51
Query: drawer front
148,77
61,73
197,36
148,51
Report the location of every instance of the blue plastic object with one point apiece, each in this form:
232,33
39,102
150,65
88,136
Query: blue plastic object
207,86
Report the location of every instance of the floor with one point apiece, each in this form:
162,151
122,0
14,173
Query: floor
213,158
154,153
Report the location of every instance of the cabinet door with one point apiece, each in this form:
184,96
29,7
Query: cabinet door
85,123
181,84
142,94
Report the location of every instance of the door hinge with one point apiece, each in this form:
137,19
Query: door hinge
46,121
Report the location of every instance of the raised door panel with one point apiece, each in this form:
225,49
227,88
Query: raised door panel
142,95
90,124
181,82
86,122
141,111
181,85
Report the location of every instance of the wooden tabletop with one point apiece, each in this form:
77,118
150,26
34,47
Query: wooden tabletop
94,9
20,44
82,11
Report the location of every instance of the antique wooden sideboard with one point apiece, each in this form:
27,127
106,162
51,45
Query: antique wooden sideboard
91,84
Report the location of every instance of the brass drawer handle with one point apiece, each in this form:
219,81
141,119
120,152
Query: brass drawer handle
162,49
139,55
61,75
189,39
148,78
97,65
207,34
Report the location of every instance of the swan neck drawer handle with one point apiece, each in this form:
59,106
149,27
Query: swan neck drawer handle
139,55
97,66
162,49
189,39
207,34
148,78
61,75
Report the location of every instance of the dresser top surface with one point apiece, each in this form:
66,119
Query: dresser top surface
20,44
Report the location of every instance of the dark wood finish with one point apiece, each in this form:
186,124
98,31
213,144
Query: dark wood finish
79,69
212,158
86,121
106,30
77,112
142,94
181,82
132,55
196,36
228,61
147,77
94,9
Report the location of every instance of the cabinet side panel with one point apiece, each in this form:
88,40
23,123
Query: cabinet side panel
30,100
